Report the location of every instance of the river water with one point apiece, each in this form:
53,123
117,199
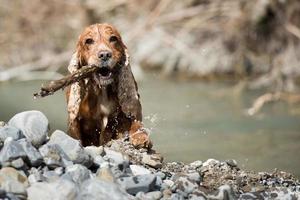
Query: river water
192,121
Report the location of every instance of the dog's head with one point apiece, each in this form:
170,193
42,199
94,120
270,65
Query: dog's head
101,45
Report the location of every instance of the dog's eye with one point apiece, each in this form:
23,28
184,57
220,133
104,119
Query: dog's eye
89,41
113,39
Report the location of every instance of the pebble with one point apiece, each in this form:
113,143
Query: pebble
18,163
196,164
9,131
33,124
139,170
33,155
105,174
11,150
59,190
53,156
154,160
185,185
140,183
231,163
96,189
13,181
77,173
116,158
35,176
71,147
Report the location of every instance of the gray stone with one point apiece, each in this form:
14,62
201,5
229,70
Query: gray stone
184,185
231,163
176,197
105,174
2,123
95,189
196,164
35,176
33,155
153,160
195,176
94,151
54,156
11,150
161,175
223,192
140,183
9,131
77,173
71,147
33,124
155,195
13,181
59,190
116,158
18,163
139,170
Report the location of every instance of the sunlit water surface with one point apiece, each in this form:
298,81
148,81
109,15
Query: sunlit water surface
192,121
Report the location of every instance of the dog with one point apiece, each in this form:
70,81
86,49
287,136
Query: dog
106,105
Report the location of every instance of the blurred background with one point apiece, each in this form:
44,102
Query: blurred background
218,78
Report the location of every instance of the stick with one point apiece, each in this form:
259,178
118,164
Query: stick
53,86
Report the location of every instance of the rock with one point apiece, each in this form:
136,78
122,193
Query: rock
2,123
33,124
169,183
54,156
155,195
33,155
9,131
210,162
140,183
105,174
153,160
13,181
95,189
231,163
176,197
94,151
35,176
116,158
11,150
18,163
139,170
71,147
196,164
223,192
59,190
195,176
185,186
77,173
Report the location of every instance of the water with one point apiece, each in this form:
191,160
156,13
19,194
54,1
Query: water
192,121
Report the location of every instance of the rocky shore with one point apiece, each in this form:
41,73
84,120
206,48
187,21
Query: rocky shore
37,164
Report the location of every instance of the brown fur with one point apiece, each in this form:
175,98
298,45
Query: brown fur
101,109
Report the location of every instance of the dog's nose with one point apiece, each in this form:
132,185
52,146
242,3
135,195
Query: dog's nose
104,55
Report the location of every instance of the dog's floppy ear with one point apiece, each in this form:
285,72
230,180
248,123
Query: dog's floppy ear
128,96
74,63
75,92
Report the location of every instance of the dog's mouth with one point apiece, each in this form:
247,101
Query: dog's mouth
104,76
105,72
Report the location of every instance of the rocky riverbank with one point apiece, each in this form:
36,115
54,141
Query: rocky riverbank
36,164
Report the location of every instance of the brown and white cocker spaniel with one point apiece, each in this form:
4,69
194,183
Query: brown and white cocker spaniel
106,105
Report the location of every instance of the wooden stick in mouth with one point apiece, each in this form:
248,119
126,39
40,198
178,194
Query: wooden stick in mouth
53,86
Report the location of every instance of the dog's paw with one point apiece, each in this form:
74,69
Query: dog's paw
140,139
